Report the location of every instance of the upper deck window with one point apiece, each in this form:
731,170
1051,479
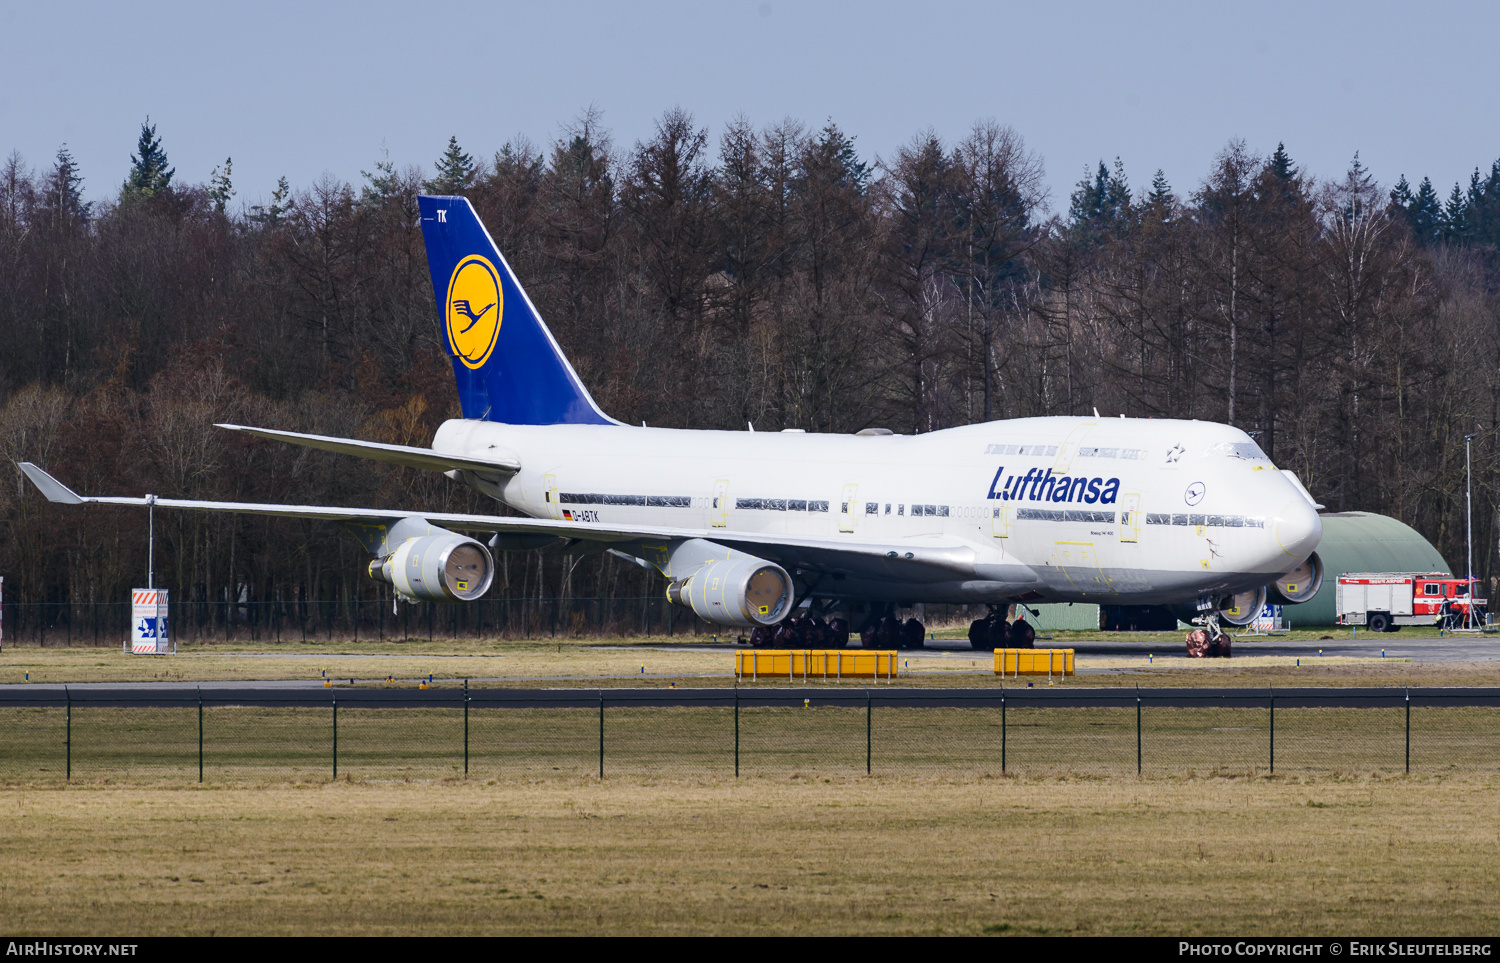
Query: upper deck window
1247,450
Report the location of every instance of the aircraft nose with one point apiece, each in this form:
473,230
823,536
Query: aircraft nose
1298,528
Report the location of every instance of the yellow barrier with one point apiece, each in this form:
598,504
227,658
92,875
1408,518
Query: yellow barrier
1049,662
806,664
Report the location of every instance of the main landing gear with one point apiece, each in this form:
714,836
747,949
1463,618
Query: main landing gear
993,632
802,632
1208,641
808,631
889,632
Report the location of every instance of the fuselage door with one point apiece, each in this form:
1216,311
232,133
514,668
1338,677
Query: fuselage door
848,508
549,492
1000,520
719,508
1130,518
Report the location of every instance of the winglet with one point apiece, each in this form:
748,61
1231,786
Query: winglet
55,490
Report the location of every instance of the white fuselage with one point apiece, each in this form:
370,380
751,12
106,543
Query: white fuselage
1124,511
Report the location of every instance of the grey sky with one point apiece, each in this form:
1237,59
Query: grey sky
305,88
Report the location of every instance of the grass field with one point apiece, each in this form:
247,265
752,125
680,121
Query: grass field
635,662
257,742
791,855
1067,840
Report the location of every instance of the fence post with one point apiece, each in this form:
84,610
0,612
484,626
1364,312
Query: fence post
200,733
1273,731
1408,731
601,734
1002,730
1137,730
68,734
466,727
736,731
335,738
869,711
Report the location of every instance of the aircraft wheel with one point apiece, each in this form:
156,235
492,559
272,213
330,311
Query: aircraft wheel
1000,633
817,633
888,633
1197,644
786,636
1022,635
838,634
762,636
979,635
867,635
913,634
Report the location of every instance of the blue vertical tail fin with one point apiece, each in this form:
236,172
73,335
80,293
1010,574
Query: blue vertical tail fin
508,366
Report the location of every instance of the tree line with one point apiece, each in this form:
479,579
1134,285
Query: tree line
775,276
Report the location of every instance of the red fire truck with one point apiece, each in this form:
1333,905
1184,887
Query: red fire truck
1384,601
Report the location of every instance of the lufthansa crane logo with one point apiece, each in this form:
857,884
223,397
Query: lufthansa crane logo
475,306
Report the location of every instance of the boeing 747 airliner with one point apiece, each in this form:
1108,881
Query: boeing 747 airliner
801,538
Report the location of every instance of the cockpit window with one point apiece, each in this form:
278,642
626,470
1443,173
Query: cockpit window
1247,450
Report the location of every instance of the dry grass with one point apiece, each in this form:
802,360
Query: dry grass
1365,855
592,662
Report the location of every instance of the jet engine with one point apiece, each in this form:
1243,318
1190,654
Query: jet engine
1243,607
1300,584
437,568
739,590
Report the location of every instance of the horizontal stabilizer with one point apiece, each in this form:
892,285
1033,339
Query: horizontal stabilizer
502,461
54,490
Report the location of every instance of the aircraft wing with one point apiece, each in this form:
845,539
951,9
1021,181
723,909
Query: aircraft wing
935,559
503,462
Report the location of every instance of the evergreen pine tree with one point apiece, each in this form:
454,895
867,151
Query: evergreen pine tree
1102,205
382,183
1455,217
1086,205
455,169
1161,204
1426,213
1283,179
1117,201
149,173
272,215
1358,189
1484,207
839,145
1401,195
220,188
1281,165
62,192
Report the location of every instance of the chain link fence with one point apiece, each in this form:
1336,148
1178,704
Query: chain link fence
378,734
